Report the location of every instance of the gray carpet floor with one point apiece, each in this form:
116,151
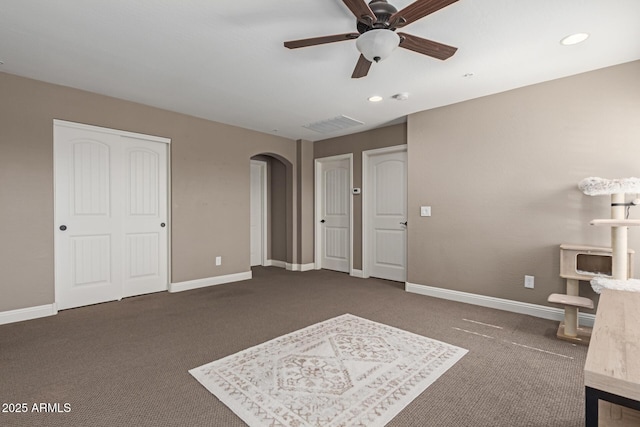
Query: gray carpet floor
125,363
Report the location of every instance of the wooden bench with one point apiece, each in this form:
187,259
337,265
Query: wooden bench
612,368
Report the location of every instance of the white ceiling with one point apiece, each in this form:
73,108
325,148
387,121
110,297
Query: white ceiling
224,60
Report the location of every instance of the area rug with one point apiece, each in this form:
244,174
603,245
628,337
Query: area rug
345,371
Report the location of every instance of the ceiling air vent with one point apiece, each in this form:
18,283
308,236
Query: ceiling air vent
333,125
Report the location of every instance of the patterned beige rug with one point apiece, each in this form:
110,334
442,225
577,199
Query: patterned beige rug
345,371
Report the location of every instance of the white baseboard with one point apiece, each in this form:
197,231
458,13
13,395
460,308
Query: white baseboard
28,313
275,263
536,310
209,281
289,266
357,273
300,267
308,267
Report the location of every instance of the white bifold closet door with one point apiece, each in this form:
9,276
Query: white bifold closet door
110,214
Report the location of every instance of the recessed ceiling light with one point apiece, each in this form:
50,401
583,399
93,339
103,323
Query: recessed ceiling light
574,39
375,98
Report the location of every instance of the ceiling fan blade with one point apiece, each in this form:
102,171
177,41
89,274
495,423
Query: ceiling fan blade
294,44
416,10
361,10
426,47
362,68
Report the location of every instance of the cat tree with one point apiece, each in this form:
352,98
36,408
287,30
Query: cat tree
619,223
608,267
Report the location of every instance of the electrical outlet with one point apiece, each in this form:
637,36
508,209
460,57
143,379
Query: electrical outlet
528,282
218,260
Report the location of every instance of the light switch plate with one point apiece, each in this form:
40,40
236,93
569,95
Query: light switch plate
529,281
425,210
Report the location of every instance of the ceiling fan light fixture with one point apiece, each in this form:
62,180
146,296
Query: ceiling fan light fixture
378,44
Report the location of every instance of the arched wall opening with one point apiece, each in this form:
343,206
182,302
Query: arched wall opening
278,204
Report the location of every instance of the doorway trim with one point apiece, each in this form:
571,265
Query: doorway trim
317,230
366,155
263,207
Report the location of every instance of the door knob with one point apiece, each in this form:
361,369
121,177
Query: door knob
63,227
162,224
322,221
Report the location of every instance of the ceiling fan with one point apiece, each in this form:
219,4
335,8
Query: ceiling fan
377,23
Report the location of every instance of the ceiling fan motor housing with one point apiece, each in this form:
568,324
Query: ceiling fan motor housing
383,11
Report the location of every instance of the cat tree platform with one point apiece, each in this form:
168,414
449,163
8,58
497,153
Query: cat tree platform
616,222
569,329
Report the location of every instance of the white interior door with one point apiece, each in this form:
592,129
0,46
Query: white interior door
144,218
87,235
258,189
110,207
334,214
385,243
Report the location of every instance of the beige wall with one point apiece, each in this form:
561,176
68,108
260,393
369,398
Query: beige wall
501,175
209,184
278,210
356,144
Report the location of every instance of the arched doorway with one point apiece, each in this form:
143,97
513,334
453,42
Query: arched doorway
271,210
